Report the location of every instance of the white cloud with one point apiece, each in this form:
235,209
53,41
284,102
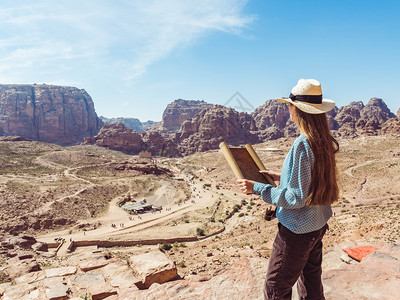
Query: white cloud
46,37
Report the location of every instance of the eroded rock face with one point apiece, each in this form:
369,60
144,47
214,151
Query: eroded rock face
391,127
132,123
212,126
372,116
160,146
54,114
117,137
153,267
179,111
272,120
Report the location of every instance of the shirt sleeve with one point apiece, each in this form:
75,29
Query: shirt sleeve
293,189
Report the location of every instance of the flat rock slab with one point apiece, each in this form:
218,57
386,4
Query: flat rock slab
17,268
243,279
30,277
375,277
102,291
120,276
92,264
58,272
21,291
56,289
153,267
87,280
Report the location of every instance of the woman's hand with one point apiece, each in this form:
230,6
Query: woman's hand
274,175
246,186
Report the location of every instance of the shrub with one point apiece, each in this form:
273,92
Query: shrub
241,214
165,246
182,264
200,232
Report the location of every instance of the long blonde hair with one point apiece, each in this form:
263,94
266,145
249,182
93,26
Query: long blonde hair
324,188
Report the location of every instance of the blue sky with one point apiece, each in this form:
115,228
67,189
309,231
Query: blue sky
135,57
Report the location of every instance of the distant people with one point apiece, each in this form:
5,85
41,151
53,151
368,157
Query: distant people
308,187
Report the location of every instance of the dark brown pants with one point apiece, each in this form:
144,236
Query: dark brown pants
295,257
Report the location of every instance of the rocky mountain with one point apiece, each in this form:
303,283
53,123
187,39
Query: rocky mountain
54,114
273,120
212,126
132,123
66,115
117,137
120,138
356,119
179,111
160,146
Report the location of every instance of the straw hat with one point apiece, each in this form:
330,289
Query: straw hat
307,96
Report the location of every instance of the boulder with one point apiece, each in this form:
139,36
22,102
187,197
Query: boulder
30,277
21,291
120,276
17,267
153,267
102,291
58,272
40,246
56,289
93,263
87,280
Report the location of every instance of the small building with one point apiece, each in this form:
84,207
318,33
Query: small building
145,154
139,207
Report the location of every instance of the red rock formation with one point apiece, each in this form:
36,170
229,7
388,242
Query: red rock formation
55,114
212,126
372,116
179,111
117,137
160,146
273,120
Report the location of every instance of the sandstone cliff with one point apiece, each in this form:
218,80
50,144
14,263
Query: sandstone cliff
120,138
273,120
117,137
132,123
160,146
212,126
55,114
179,111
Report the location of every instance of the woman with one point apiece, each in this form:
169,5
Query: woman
307,187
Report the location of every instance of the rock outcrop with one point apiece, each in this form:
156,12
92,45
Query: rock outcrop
117,137
132,123
273,120
391,126
179,111
347,117
54,114
356,119
160,146
212,126
374,114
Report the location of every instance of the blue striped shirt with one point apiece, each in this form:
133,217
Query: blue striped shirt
291,194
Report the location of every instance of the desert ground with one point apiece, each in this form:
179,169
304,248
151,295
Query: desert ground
75,193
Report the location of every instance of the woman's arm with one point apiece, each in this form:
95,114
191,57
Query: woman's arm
246,186
274,175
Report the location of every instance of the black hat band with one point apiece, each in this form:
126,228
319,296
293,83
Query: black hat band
314,99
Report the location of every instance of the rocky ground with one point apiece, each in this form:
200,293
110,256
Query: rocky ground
73,192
